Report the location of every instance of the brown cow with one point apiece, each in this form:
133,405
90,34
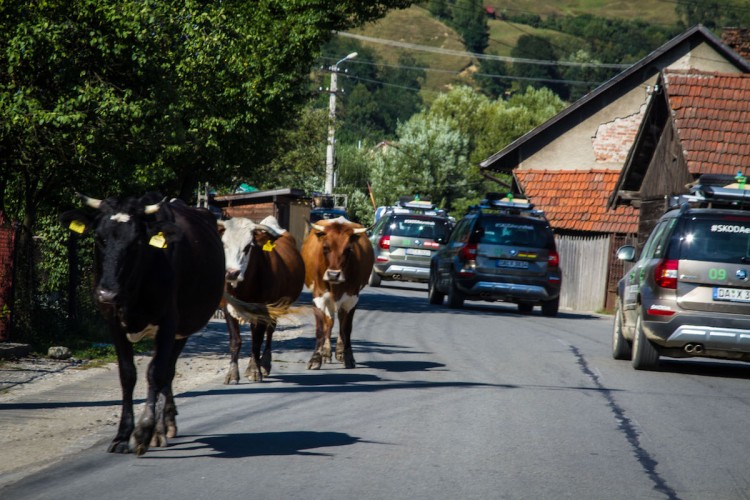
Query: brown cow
338,261
263,266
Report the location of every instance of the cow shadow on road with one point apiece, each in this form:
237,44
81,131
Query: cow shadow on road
246,445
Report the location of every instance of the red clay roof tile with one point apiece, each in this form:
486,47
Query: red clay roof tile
576,200
712,117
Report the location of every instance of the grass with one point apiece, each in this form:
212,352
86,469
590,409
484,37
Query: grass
653,11
415,25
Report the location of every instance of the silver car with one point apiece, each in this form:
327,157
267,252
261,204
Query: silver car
688,293
404,240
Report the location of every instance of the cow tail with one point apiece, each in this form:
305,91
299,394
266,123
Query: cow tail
252,311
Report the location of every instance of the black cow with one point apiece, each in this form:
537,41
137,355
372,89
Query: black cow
159,271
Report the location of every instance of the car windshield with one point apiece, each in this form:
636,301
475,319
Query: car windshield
515,233
717,239
419,226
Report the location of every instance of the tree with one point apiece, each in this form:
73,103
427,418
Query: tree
120,97
538,75
470,20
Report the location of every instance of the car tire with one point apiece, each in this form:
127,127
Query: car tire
645,355
550,307
434,297
374,280
455,297
621,348
525,307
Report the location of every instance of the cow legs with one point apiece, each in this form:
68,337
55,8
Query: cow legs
253,372
344,345
127,371
235,345
166,409
323,327
265,359
158,382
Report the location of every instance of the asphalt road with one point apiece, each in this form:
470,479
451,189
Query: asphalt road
481,403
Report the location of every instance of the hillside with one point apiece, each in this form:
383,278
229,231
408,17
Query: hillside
416,26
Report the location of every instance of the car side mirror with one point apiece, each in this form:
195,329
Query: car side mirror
626,253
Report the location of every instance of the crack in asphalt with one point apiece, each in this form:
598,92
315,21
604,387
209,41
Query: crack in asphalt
626,426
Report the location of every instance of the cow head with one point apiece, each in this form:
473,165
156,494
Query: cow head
125,231
337,241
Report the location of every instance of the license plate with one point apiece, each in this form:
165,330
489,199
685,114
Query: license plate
417,251
732,294
516,264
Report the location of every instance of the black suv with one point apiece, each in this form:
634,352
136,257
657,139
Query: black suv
688,294
404,239
502,249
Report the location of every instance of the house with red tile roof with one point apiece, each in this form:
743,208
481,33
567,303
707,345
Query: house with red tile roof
696,123
568,165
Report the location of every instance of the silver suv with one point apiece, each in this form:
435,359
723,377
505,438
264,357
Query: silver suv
404,239
688,294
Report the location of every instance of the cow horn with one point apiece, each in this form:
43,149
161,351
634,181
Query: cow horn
360,230
152,209
92,202
318,227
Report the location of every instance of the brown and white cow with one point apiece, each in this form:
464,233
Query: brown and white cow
338,261
263,266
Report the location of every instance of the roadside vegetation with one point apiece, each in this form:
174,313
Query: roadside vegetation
105,99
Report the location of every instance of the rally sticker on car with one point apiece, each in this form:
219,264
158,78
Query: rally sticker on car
728,228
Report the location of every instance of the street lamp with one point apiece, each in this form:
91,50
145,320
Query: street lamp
332,127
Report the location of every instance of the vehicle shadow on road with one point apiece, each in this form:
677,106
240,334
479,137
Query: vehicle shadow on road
705,368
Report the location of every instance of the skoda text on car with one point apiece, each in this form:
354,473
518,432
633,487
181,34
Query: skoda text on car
502,250
688,293
404,239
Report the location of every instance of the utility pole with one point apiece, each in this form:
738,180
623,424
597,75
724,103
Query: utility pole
330,150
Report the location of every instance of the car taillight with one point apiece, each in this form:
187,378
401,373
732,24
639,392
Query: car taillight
468,252
385,242
665,274
553,260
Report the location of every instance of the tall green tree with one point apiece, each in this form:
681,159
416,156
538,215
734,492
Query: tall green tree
470,20
142,94
538,75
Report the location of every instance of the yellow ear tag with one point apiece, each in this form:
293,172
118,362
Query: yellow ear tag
269,246
158,240
77,226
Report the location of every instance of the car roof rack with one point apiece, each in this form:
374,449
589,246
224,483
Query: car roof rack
508,204
715,191
415,205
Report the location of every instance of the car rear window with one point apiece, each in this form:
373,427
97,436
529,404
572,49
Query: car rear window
716,239
516,233
419,226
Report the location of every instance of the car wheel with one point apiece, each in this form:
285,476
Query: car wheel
645,355
433,295
621,348
374,280
550,307
525,307
455,297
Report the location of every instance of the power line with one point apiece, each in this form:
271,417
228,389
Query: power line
454,72
490,57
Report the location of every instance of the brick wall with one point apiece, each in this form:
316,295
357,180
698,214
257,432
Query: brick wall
614,139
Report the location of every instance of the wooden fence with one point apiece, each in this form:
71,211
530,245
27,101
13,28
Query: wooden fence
584,261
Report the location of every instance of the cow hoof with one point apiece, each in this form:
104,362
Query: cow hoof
158,441
265,365
349,360
253,375
118,446
314,363
171,431
232,376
